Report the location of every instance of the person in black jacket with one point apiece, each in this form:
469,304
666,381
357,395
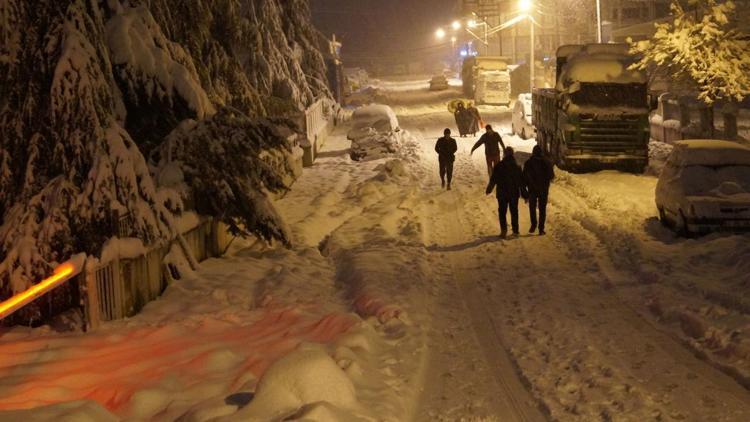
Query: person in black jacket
508,178
492,143
446,148
538,173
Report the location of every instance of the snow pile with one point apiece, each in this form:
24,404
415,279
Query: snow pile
658,153
305,384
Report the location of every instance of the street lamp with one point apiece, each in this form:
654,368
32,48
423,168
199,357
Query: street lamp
472,24
525,5
440,33
456,25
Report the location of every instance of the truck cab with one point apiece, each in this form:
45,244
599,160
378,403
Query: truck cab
487,80
597,115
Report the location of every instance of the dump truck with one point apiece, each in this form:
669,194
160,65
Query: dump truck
486,79
596,117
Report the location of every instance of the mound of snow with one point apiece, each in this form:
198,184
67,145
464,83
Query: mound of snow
302,381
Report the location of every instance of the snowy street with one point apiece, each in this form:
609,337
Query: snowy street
423,313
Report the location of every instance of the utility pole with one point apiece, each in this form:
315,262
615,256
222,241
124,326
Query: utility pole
532,65
598,21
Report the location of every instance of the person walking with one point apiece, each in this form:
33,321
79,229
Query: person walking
538,173
476,122
492,143
507,181
463,119
446,148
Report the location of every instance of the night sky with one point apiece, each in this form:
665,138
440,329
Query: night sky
370,28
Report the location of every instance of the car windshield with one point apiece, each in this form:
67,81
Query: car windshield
611,95
702,180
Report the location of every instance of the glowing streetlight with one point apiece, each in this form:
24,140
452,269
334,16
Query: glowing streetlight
440,33
456,25
472,24
525,5
454,39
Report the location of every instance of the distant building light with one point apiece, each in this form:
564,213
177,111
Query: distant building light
464,53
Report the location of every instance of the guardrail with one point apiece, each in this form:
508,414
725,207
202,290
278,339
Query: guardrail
60,275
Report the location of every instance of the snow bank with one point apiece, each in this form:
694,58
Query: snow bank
307,376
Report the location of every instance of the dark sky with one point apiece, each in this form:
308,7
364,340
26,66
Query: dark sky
383,27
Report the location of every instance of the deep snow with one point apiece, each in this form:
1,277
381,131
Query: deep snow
398,302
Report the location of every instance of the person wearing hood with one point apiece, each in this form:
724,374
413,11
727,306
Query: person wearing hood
507,180
538,173
446,148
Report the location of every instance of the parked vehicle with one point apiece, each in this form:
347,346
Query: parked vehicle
487,80
522,123
597,115
438,83
705,187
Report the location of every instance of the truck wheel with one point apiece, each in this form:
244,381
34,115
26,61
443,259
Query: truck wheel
682,225
663,217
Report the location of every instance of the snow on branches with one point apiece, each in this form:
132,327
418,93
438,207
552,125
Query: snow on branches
703,48
227,166
88,88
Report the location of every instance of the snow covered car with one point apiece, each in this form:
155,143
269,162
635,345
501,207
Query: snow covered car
375,132
705,186
438,83
521,122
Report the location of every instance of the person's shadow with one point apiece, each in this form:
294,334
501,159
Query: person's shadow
464,246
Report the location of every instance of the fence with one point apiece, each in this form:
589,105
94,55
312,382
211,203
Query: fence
122,287
316,129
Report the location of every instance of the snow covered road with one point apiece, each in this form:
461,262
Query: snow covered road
420,311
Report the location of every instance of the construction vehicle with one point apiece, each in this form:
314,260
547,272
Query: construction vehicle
486,79
597,115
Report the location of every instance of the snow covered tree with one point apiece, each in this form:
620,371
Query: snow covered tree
90,88
226,161
701,48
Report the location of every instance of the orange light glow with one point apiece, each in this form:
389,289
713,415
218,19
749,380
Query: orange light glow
61,275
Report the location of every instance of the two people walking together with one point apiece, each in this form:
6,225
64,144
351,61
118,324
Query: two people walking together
511,183
507,178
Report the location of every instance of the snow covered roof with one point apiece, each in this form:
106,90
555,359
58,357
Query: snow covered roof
602,68
709,152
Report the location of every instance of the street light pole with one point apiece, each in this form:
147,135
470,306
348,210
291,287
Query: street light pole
599,21
531,64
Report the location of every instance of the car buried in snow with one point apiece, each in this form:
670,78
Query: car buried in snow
705,187
522,123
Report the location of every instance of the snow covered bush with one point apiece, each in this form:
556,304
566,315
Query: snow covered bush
225,164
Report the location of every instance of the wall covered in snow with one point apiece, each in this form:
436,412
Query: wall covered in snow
89,89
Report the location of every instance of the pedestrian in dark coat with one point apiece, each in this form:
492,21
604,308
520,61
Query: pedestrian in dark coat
463,119
538,173
492,143
507,180
446,148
